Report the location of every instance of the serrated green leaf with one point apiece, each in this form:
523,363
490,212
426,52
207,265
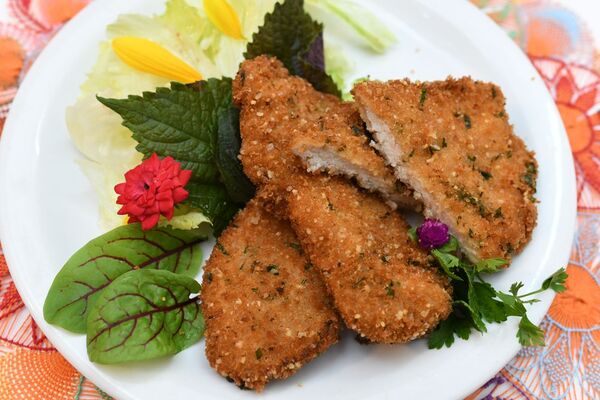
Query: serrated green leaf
144,314
238,186
449,247
529,334
196,125
556,281
97,264
412,234
474,313
448,262
444,334
491,309
491,265
180,122
513,306
515,287
291,35
214,202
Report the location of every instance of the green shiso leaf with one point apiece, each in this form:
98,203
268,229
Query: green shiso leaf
238,186
291,35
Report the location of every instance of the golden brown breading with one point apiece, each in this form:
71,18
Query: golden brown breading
380,281
273,106
338,144
278,109
267,311
452,143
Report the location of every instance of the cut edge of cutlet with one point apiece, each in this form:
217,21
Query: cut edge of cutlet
323,159
391,150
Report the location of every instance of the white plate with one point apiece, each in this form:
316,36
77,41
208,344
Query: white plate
48,209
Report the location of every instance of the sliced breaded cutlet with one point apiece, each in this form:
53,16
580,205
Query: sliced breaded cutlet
274,105
267,311
338,144
380,282
452,143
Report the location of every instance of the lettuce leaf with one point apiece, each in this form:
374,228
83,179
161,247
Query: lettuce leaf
186,218
364,23
98,135
339,67
103,177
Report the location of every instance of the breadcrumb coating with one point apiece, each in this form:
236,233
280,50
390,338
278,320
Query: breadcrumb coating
280,110
452,143
384,286
338,144
267,311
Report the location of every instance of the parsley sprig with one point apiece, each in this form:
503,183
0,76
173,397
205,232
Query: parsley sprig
476,303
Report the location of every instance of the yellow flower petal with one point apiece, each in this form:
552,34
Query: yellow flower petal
148,56
224,17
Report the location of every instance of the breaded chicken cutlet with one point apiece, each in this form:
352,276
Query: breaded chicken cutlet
380,282
338,144
294,104
451,142
267,312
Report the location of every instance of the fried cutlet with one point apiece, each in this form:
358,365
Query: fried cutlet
380,282
291,103
267,311
338,144
452,143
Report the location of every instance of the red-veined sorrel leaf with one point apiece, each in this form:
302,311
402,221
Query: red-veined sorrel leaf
144,314
101,261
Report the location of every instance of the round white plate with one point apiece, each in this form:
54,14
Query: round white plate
48,209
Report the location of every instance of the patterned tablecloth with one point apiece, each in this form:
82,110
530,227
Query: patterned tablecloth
559,38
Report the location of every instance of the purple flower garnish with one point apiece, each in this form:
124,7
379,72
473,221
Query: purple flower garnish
432,234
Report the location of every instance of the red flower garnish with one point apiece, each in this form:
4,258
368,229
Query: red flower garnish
151,189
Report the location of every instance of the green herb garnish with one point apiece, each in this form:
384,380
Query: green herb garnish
296,246
467,120
486,175
530,176
221,248
423,97
476,303
258,353
389,289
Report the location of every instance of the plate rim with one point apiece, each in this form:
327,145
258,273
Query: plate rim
469,14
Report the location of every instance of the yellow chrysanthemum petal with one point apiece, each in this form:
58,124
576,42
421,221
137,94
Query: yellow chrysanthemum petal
148,56
224,17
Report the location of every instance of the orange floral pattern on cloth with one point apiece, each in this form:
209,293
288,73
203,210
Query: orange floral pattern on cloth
561,48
